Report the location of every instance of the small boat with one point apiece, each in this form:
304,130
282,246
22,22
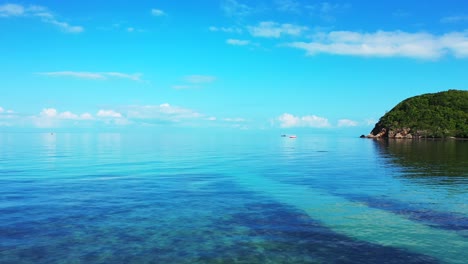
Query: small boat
283,135
293,136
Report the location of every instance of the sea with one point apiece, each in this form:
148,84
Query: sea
231,198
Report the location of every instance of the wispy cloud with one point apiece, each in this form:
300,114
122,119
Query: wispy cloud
80,75
8,10
387,44
233,8
194,82
347,123
234,120
163,113
288,120
291,6
134,77
455,19
157,12
270,29
7,117
326,10
46,16
167,114
94,75
225,29
238,42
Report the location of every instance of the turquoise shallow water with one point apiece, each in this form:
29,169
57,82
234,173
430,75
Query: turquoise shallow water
244,198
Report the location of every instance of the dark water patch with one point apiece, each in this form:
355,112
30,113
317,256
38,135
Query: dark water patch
292,237
436,219
166,220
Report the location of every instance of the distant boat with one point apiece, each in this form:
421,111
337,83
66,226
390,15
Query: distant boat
284,135
293,136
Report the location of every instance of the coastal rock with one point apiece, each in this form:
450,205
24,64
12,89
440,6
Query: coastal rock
381,133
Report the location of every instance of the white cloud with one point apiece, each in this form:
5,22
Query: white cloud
269,29
108,114
65,26
287,120
387,44
235,120
137,115
454,19
178,111
456,43
157,12
51,117
225,29
233,8
200,79
68,115
54,113
133,77
237,42
80,75
94,75
86,116
49,112
7,117
10,10
347,123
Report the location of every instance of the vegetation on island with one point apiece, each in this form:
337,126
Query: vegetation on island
439,115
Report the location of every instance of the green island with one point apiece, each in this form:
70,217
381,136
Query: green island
434,115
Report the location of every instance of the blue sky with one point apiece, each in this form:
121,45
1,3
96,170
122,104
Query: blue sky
256,65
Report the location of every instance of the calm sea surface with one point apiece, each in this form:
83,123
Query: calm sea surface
245,198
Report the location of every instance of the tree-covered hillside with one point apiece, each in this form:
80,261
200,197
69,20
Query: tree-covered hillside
443,114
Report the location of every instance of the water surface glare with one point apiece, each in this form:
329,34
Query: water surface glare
231,198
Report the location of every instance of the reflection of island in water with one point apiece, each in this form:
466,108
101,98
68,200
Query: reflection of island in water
445,159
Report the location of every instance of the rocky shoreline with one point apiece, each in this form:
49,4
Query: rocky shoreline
401,133
394,133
